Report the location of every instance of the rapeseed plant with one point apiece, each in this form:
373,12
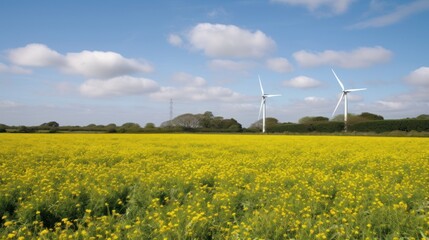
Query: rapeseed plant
181,186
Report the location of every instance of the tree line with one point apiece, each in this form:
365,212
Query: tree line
208,122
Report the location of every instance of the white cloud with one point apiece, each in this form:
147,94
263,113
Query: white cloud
197,94
13,69
118,86
188,79
397,15
279,65
194,88
419,77
302,82
230,65
218,40
175,40
315,100
36,55
335,6
96,64
93,64
358,58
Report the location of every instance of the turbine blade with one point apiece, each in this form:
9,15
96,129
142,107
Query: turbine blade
260,109
341,84
355,89
272,95
338,104
260,84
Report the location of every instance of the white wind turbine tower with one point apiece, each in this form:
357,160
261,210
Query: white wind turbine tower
344,95
263,107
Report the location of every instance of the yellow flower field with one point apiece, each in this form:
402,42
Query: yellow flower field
184,186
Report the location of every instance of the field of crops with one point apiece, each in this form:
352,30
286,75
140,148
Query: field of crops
182,186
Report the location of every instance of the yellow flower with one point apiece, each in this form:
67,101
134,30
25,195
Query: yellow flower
8,223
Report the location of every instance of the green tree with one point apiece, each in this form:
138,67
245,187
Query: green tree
269,123
205,119
50,124
187,120
149,125
312,120
3,127
423,117
340,117
24,129
371,116
111,128
130,127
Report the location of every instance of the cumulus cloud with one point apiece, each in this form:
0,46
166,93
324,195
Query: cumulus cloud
118,86
197,94
93,64
334,6
358,58
400,13
419,77
302,82
194,88
230,65
36,55
13,69
218,40
188,80
96,64
281,65
175,40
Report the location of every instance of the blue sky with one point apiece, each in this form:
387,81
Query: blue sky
83,62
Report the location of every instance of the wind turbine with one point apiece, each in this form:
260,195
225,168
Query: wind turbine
344,95
263,107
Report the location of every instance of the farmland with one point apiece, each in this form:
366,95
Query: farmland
184,186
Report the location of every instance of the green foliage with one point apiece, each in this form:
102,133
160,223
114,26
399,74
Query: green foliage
24,129
326,127
309,120
53,130
130,127
406,125
423,117
149,125
270,123
50,124
371,117
205,122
